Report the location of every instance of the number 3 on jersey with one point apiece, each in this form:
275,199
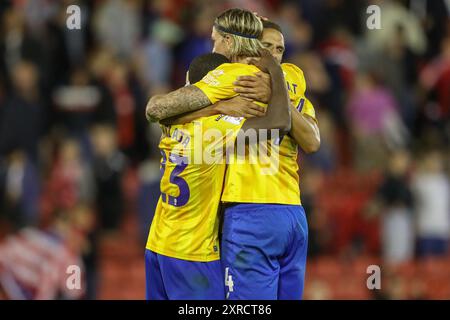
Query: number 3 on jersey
180,164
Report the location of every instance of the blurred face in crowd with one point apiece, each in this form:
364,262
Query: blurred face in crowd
446,47
13,20
118,76
273,41
104,140
24,77
433,162
399,162
70,151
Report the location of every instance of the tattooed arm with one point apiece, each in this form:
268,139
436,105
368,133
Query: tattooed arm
235,107
185,99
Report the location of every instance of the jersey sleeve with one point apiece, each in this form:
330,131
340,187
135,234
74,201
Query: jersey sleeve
306,107
297,73
218,83
295,81
294,75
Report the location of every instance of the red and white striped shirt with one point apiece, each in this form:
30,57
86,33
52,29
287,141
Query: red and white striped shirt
34,265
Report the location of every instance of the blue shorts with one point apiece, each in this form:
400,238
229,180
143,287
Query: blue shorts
264,248
175,279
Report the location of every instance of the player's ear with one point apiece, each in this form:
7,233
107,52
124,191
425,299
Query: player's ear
228,40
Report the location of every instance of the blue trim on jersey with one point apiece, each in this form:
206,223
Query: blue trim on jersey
300,105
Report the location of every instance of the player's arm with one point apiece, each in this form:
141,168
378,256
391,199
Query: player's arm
235,107
185,99
305,131
278,114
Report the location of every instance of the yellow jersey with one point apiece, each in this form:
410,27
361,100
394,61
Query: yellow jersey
276,181
218,84
186,221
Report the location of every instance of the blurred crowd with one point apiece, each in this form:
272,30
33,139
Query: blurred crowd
73,130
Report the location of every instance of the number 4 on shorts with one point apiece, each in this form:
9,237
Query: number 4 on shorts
228,282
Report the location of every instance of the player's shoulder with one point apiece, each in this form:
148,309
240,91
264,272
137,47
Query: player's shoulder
237,68
292,70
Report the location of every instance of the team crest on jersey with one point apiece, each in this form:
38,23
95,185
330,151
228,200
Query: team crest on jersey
211,78
233,120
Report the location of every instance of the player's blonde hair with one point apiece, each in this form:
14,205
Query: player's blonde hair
245,30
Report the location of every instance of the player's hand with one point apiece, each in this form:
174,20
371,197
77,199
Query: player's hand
255,87
261,17
239,107
265,62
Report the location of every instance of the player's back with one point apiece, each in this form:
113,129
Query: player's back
186,222
276,179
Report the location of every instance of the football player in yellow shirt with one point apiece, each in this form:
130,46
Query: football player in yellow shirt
182,256
265,235
265,232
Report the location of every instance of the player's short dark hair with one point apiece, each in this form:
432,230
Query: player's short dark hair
203,64
267,24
